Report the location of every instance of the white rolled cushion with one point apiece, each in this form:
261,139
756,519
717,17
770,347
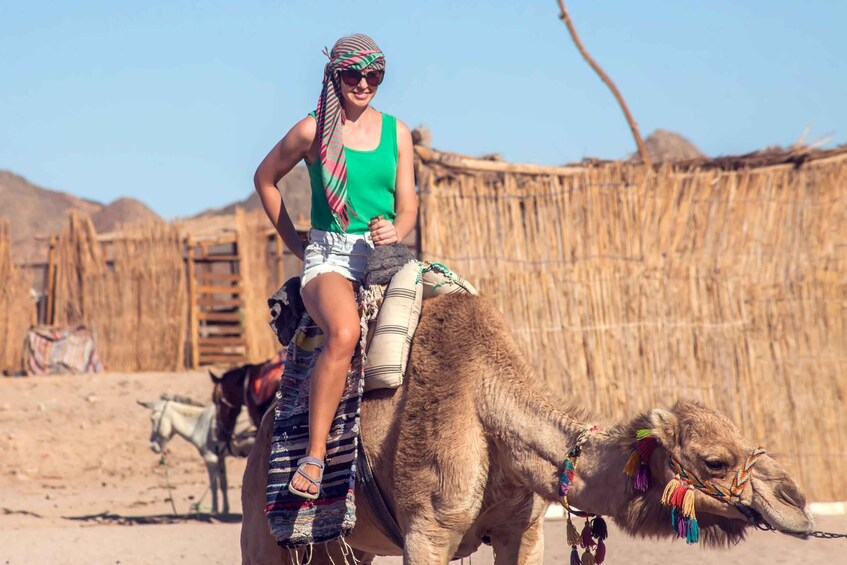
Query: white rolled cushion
388,351
438,279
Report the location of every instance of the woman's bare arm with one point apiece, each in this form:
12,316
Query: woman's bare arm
281,159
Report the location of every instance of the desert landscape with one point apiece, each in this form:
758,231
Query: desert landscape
80,485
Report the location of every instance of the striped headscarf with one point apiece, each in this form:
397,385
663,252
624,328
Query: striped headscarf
351,52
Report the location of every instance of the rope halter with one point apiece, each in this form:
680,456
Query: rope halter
679,492
729,496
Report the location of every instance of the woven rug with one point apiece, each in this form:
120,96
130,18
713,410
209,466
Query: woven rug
293,520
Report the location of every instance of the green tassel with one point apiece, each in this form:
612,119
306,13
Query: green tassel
643,433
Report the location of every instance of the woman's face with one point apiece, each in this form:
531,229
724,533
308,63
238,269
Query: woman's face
359,87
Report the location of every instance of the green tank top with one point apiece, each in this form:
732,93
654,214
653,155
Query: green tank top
371,176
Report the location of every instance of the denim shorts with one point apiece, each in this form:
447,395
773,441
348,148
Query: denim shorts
330,252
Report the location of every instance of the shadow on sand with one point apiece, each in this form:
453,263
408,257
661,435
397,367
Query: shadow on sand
108,518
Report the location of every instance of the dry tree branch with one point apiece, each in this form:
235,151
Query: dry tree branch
642,149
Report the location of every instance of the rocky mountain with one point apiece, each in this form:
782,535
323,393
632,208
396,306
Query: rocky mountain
295,190
34,211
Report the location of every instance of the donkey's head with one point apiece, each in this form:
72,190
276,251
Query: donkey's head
161,421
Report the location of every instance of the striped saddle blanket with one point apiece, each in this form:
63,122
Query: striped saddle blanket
293,520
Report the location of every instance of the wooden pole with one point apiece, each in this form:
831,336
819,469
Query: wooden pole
642,149
280,270
49,315
194,338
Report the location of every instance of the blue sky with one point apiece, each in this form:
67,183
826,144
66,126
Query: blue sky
176,102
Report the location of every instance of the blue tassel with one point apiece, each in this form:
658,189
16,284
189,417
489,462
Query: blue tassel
693,531
575,557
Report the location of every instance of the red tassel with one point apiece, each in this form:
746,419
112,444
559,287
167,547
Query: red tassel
586,540
600,554
678,496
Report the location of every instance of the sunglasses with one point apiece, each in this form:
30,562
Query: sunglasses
352,77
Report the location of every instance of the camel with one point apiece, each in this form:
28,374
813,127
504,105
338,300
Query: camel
472,446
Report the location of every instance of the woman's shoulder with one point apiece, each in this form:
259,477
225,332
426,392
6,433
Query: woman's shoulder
306,128
402,128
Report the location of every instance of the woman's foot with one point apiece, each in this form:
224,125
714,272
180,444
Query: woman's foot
306,481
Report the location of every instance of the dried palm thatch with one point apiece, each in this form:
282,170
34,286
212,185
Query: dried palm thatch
260,279
16,307
134,297
630,287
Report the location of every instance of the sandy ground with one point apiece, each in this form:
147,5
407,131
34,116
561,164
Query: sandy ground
79,485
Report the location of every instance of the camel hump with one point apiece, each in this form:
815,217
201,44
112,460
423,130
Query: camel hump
460,331
465,313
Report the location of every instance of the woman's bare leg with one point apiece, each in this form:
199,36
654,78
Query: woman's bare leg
331,303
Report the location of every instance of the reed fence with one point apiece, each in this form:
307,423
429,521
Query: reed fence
261,275
629,288
132,293
16,306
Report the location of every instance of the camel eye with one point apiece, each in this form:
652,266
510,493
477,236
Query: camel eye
715,465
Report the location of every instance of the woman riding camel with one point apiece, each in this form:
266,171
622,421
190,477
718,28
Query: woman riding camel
360,166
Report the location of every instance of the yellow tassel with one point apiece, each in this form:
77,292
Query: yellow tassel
587,558
666,496
688,505
633,463
573,536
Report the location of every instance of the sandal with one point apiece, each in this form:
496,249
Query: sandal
317,482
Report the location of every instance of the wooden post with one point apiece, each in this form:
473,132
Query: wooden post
49,315
280,269
194,338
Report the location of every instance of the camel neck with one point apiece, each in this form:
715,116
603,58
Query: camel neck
536,435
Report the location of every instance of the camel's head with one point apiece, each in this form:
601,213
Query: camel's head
703,449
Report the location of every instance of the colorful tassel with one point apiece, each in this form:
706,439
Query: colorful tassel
572,535
600,554
643,433
587,558
632,464
574,556
642,477
669,489
678,496
646,447
693,535
564,485
681,530
688,505
586,540
599,528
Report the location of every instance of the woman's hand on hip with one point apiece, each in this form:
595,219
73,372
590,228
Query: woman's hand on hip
383,233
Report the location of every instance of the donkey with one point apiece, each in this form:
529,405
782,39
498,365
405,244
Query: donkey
196,423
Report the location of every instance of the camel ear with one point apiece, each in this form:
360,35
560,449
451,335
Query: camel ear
665,427
148,405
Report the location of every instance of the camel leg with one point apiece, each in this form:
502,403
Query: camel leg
223,483
429,545
212,469
521,548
